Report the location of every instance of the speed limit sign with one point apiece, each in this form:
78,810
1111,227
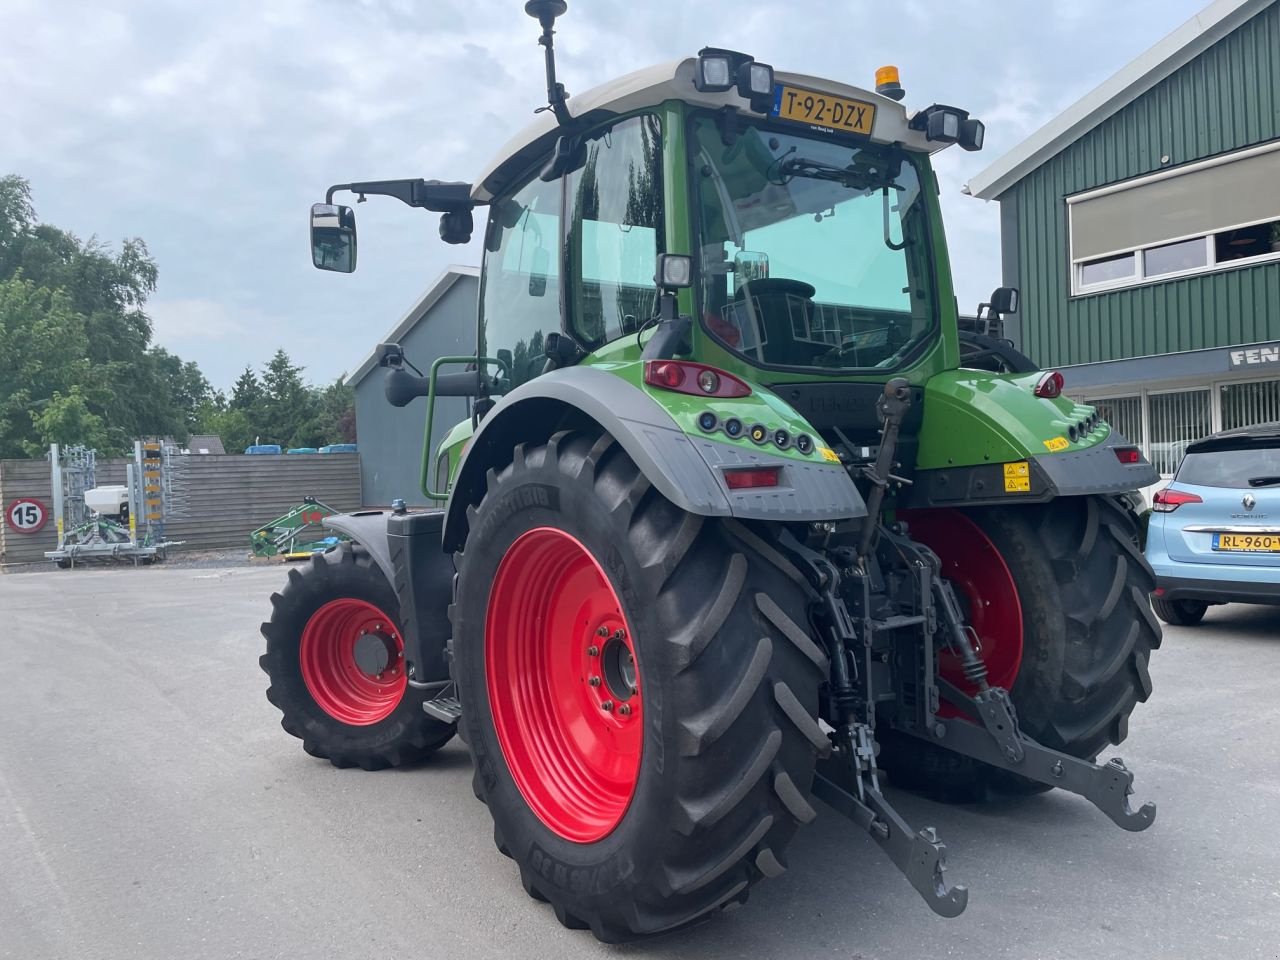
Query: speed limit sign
26,515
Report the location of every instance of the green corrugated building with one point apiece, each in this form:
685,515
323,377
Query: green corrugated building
1143,228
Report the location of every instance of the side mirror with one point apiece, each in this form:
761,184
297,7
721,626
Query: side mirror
748,266
333,237
1004,300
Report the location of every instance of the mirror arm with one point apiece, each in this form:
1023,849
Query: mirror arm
431,195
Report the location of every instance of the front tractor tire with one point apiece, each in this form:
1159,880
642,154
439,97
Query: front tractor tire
639,691
335,661
1058,596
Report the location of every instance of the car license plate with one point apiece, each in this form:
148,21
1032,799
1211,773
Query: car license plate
823,109
1247,542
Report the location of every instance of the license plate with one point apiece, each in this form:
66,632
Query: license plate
1247,542
823,109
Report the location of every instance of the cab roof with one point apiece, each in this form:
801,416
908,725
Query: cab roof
672,81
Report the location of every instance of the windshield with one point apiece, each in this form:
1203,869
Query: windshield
814,252
1242,468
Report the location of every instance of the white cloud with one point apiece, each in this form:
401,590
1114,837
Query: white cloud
208,129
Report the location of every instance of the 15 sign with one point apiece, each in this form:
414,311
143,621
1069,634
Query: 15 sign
26,515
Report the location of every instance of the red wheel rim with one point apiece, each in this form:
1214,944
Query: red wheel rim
341,686
564,685
986,591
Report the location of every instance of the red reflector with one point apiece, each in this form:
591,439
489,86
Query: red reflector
693,378
1128,454
752,477
1158,592
1049,387
1167,501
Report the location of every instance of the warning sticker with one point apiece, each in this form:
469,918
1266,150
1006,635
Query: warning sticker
1056,444
1017,477
829,455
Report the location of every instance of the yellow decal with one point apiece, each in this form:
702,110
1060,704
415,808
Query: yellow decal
1056,444
1017,477
829,454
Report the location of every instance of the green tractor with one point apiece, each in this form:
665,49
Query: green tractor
741,518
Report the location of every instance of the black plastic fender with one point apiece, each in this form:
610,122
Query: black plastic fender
407,549
687,470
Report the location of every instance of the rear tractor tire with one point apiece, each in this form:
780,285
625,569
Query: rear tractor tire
639,691
1179,613
335,660
1057,594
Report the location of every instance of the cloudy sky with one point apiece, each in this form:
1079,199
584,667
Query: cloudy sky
208,129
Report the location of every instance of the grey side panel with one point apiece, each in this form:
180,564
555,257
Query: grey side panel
369,529
809,491
687,471
1095,470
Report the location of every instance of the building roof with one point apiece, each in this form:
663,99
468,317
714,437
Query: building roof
438,288
674,81
209,443
1176,50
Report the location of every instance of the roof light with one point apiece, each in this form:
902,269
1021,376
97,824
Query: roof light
972,133
1128,454
1050,384
683,376
1167,501
755,80
752,478
887,84
714,73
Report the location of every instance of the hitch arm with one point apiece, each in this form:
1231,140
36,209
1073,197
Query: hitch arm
919,855
1107,786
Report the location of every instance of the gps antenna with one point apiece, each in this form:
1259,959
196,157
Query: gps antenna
545,12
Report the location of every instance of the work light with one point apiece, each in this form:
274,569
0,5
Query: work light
714,73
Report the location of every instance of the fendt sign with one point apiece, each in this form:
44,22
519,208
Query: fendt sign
1264,355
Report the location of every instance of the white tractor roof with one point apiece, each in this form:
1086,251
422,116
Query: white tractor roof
674,81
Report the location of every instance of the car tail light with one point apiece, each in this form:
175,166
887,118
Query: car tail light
1128,454
1049,386
750,478
1167,501
697,379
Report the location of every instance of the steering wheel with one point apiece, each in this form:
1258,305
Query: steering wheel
778,287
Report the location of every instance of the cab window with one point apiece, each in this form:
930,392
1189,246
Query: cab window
615,231
520,281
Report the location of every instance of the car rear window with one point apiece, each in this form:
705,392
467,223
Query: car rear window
1229,468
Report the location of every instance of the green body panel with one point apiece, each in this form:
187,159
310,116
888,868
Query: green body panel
454,445
763,406
974,417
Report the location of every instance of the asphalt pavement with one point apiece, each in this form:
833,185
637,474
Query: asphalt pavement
151,807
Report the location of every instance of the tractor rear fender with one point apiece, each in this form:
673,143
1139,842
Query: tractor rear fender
988,439
406,548
686,467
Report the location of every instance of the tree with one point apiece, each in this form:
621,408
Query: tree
67,420
73,327
289,406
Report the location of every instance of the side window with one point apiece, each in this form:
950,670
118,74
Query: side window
616,231
520,284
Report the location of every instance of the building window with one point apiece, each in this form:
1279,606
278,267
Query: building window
1247,404
1124,414
1176,420
1213,215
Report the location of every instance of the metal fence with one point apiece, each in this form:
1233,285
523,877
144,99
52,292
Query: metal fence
226,496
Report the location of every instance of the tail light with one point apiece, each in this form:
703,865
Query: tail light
750,478
1128,454
1167,501
697,379
1049,386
